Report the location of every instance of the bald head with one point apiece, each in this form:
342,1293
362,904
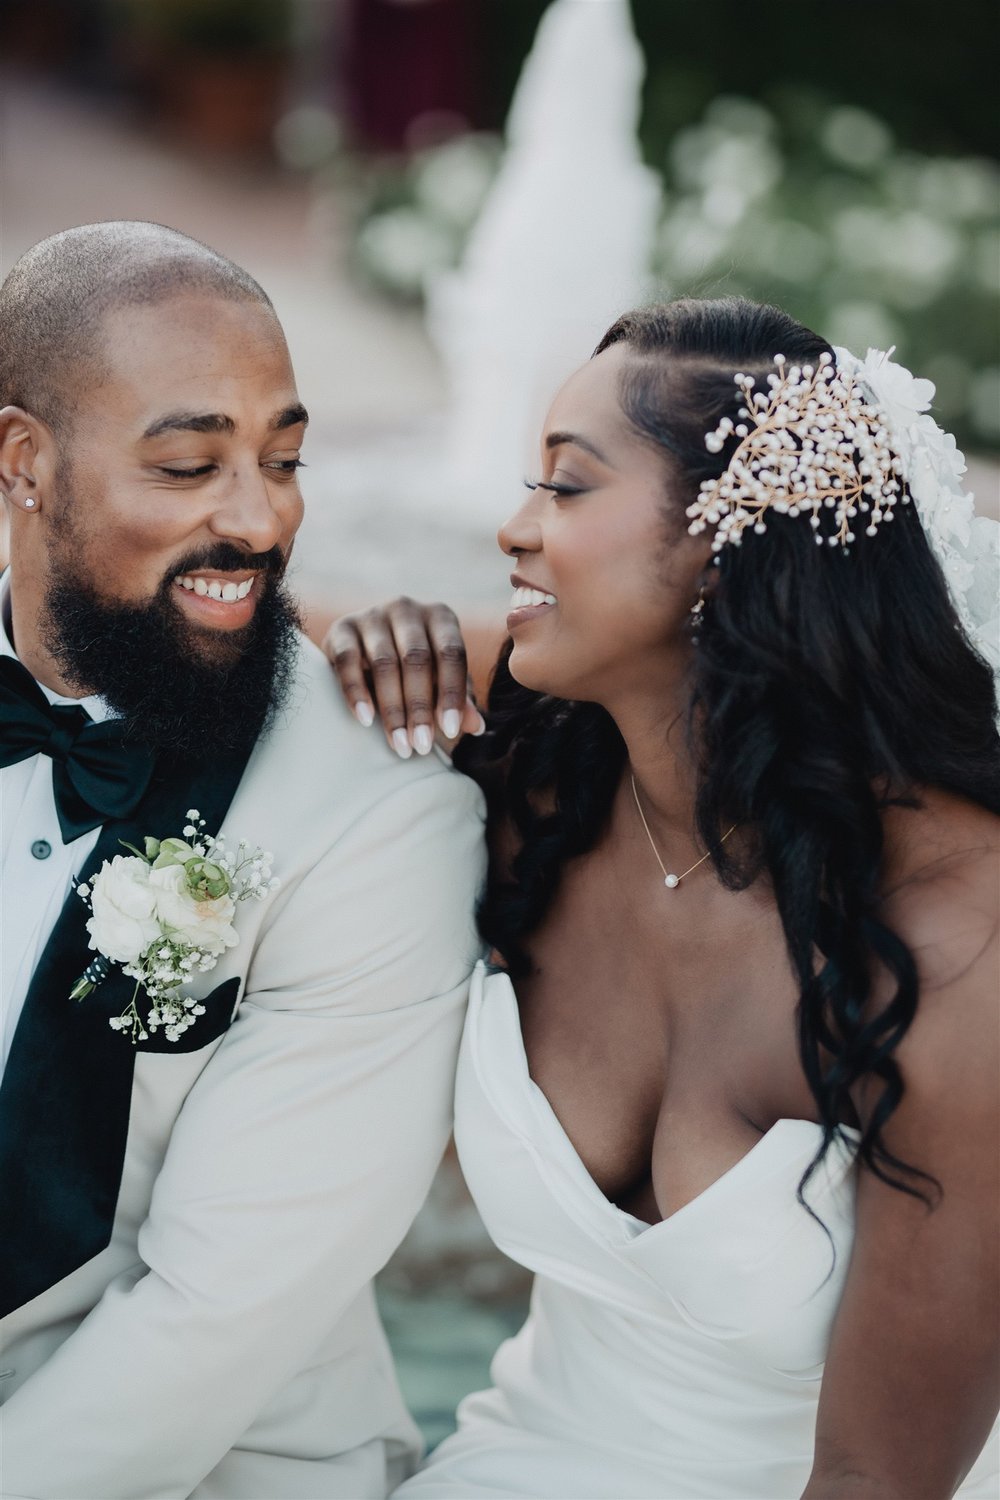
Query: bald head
55,299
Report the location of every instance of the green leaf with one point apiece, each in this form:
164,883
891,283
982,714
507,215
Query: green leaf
173,852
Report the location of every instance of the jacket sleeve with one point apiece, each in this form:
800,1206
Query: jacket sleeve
295,1166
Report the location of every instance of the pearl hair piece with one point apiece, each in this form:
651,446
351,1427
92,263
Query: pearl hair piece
814,441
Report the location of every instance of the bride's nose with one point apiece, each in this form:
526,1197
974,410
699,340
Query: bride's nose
521,531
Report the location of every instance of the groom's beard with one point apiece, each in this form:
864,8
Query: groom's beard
180,688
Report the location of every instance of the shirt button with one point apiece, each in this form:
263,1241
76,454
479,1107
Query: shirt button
41,848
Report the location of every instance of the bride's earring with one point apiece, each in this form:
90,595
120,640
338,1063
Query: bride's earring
696,612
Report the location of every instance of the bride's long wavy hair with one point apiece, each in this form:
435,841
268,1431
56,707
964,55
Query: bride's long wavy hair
824,687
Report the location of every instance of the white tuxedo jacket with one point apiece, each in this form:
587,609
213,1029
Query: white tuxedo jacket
226,1343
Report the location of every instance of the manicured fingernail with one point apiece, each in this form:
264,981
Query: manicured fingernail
423,740
364,714
401,744
480,728
451,723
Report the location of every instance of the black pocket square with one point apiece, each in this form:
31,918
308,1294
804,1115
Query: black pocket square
208,1028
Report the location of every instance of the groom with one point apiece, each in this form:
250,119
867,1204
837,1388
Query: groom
191,1220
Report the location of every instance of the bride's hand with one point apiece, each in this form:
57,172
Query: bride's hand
411,658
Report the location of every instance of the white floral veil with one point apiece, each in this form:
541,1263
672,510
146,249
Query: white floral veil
966,545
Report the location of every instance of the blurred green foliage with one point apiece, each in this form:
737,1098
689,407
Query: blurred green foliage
818,208
927,69
217,28
418,211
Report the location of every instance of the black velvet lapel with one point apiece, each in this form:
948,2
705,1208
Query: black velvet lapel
66,1090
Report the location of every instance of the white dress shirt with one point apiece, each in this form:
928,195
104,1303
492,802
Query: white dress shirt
36,867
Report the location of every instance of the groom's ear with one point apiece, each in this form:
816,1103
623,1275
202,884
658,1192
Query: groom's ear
27,458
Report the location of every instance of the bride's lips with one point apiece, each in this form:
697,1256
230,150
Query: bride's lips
528,603
222,601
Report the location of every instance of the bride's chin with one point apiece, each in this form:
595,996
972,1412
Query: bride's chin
534,674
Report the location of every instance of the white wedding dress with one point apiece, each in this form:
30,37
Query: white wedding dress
675,1361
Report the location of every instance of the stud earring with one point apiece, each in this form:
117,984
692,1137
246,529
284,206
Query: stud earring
29,502
695,614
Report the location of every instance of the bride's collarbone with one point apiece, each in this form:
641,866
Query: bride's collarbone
605,904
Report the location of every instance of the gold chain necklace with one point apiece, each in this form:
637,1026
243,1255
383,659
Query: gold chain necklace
669,880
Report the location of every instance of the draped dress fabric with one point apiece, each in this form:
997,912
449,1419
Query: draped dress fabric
677,1361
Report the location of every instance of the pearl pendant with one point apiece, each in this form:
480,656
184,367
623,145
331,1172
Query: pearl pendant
671,881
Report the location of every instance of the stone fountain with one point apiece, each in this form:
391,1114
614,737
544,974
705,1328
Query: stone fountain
561,246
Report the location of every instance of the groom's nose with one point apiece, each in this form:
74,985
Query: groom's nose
256,516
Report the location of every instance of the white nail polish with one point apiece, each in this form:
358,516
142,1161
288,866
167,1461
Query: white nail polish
401,744
423,740
480,728
364,715
451,723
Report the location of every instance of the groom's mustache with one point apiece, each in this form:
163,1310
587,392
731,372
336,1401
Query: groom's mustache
225,558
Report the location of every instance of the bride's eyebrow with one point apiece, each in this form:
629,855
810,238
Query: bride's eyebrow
557,439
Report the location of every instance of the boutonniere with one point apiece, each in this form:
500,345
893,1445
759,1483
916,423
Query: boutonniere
165,915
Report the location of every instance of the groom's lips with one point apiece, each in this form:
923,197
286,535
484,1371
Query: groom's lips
217,613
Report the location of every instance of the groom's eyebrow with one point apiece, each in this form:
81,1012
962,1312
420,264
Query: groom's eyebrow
291,416
213,421
190,421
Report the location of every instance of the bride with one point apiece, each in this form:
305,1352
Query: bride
729,1081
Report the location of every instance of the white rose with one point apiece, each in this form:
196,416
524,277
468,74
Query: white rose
124,922
202,924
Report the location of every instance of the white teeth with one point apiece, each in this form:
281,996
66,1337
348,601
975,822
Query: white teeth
228,592
523,598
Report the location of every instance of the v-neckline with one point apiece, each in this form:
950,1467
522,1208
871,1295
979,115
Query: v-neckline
619,1218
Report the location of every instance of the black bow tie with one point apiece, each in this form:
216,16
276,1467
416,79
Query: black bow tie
95,776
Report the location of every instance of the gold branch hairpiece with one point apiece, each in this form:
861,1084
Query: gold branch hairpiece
813,441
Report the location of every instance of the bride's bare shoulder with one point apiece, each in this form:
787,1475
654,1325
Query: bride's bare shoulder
941,887
939,833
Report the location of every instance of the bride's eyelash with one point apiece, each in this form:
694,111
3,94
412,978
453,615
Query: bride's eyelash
556,489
